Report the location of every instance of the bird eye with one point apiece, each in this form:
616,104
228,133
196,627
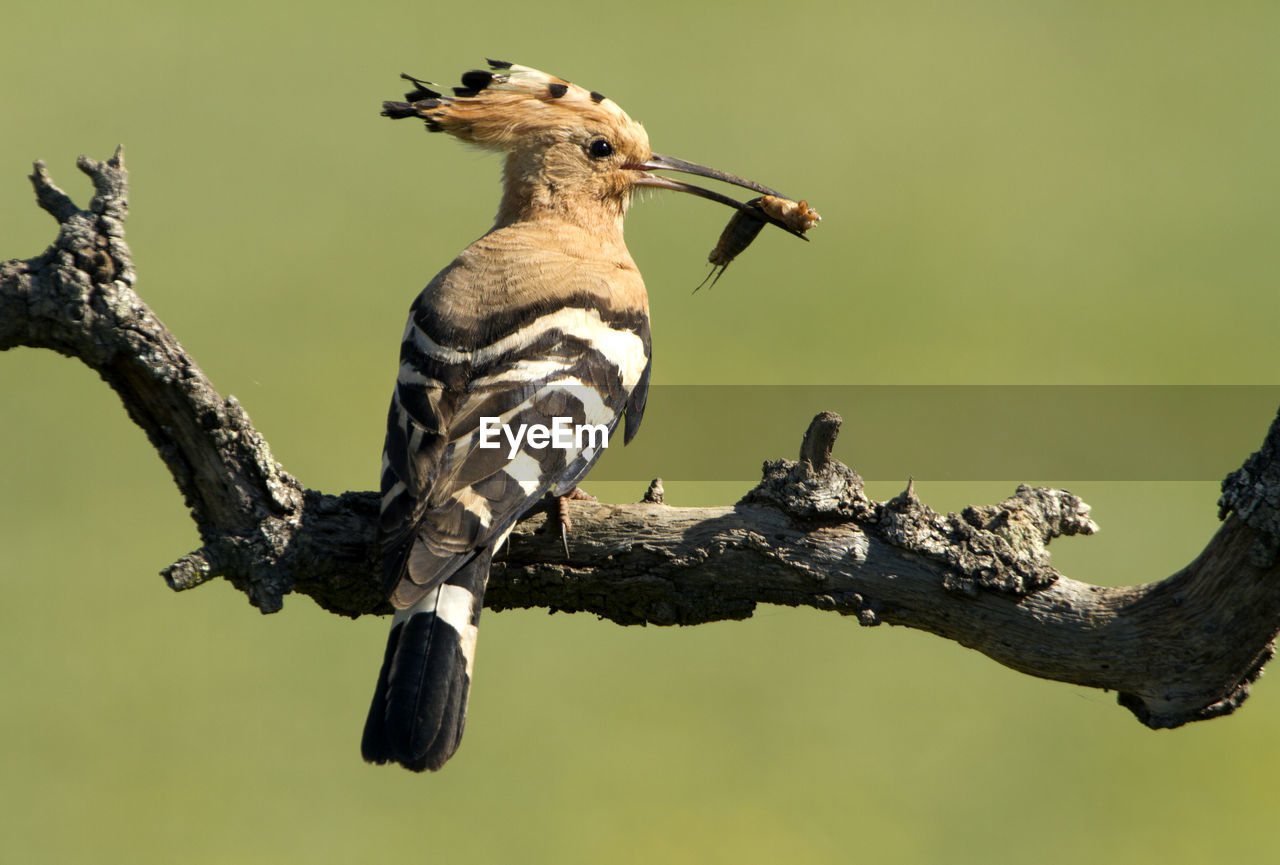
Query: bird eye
600,148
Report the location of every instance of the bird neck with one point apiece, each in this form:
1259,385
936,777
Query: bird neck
530,193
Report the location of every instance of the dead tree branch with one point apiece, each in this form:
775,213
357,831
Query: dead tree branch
1182,649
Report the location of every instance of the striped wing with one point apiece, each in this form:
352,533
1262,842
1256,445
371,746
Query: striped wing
444,496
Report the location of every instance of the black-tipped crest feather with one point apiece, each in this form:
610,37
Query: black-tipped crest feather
420,90
398,110
477,79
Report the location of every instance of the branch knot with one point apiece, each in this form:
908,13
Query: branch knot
1001,548
817,485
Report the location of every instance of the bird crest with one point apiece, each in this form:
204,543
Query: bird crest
509,105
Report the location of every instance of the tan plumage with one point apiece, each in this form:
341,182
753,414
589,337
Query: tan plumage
532,262
543,317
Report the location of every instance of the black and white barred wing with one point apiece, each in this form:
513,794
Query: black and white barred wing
475,438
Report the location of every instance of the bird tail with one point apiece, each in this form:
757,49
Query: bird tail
420,704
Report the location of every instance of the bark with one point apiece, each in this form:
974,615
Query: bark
1182,649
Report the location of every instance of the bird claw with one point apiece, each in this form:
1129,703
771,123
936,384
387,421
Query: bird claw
562,512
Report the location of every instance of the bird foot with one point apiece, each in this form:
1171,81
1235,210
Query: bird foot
576,494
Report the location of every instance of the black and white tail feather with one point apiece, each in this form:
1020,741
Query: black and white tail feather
419,706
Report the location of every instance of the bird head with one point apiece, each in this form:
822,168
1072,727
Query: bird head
571,152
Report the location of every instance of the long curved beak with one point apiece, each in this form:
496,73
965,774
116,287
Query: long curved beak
658,162
670,163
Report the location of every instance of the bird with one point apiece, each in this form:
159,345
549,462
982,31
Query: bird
541,322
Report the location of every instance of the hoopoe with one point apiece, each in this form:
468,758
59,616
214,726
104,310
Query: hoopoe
545,317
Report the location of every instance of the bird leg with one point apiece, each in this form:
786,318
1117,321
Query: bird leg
562,512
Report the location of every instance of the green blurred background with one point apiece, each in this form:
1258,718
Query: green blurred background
1012,193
